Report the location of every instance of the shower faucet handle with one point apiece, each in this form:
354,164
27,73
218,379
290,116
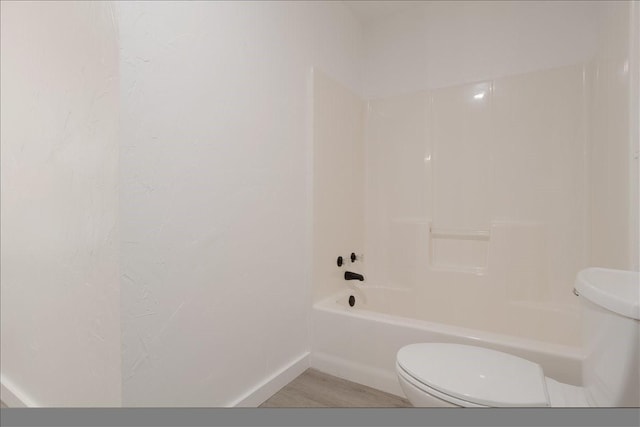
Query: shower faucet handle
353,257
356,257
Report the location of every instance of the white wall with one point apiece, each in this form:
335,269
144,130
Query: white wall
338,184
215,208
60,307
439,44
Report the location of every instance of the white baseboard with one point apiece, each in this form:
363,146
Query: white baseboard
12,396
275,382
372,377
379,379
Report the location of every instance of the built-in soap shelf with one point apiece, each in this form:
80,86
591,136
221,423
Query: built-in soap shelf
478,271
451,233
459,250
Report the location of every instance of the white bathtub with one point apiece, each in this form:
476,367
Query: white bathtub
360,344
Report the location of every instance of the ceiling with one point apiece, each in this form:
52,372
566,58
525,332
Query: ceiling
371,11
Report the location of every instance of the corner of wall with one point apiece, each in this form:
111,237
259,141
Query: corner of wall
12,396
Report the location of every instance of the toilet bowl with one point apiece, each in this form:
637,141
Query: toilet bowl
456,375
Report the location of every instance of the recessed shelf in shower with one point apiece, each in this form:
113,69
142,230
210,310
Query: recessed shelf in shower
459,250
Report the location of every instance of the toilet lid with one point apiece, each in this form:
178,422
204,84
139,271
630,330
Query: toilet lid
474,374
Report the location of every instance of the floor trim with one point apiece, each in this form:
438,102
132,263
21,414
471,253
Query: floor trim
365,375
11,395
273,384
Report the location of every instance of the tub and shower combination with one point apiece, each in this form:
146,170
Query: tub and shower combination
473,207
360,343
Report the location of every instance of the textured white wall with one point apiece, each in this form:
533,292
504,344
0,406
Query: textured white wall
215,172
60,307
439,44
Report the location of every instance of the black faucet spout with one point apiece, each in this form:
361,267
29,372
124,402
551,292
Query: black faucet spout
348,275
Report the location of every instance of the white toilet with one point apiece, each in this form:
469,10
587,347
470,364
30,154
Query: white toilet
442,374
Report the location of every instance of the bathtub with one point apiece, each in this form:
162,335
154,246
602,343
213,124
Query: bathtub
360,343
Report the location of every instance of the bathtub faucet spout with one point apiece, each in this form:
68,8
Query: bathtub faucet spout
348,275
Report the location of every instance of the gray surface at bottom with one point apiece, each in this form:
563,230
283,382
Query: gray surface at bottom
268,417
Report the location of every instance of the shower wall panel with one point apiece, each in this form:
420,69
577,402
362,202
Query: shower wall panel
482,185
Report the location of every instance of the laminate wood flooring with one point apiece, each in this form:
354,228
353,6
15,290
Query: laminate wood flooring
314,389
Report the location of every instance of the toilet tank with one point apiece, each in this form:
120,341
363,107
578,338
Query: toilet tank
611,308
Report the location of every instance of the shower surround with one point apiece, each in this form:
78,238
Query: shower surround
476,197
474,208
473,220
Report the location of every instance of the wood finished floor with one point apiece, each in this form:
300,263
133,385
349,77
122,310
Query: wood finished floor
314,389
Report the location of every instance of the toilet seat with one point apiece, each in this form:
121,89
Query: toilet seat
423,388
473,376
